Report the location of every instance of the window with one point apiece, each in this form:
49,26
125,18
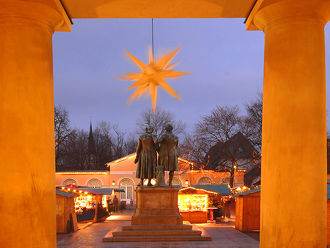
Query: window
94,183
127,185
205,180
69,181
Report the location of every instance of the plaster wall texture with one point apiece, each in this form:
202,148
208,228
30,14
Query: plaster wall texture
27,124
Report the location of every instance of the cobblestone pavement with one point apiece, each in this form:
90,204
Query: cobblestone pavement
91,236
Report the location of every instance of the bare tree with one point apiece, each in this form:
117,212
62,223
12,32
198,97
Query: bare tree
118,142
103,144
254,114
158,120
76,150
71,145
219,126
220,134
193,149
62,133
110,142
131,142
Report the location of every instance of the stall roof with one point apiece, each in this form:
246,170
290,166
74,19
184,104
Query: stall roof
97,191
221,189
256,190
65,194
251,191
119,190
196,190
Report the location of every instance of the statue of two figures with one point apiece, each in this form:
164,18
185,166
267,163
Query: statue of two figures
146,156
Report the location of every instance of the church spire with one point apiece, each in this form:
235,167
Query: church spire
91,143
91,150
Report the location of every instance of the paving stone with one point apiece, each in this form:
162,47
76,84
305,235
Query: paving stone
91,237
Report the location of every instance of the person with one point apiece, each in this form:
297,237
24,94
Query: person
146,156
115,203
168,154
109,205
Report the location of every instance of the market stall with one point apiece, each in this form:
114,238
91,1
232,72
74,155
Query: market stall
193,205
66,220
197,202
248,210
90,204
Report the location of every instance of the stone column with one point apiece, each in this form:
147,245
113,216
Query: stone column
27,160
293,196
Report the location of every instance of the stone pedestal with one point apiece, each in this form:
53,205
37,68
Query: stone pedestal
156,218
156,205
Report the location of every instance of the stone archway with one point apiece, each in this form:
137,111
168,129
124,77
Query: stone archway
204,180
127,185
94,183
70,181
294,108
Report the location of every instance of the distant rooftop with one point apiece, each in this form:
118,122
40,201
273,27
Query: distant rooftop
86,172
221,189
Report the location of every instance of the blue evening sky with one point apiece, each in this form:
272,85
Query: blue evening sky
225,60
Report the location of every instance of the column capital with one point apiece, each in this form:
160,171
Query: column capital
269,13
49,13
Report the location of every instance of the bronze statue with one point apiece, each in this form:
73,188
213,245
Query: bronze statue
160,177
168,154
146,156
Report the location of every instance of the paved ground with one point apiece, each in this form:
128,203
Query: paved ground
82,225
223,236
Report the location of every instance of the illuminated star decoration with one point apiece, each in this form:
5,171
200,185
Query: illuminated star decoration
152,76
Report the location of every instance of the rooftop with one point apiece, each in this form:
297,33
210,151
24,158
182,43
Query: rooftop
221,189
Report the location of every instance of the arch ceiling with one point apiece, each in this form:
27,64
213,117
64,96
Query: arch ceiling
158,8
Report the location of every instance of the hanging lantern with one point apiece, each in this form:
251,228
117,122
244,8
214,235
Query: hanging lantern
153,75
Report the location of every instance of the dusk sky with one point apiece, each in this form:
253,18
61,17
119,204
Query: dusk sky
225,60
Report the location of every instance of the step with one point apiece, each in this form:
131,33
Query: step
156,219
157,233
156,239
156,227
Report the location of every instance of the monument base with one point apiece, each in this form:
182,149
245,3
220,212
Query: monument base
156,218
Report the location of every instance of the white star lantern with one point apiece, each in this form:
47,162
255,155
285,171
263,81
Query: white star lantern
152,76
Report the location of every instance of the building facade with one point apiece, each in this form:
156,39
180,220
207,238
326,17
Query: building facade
93,179
122,172
122,175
